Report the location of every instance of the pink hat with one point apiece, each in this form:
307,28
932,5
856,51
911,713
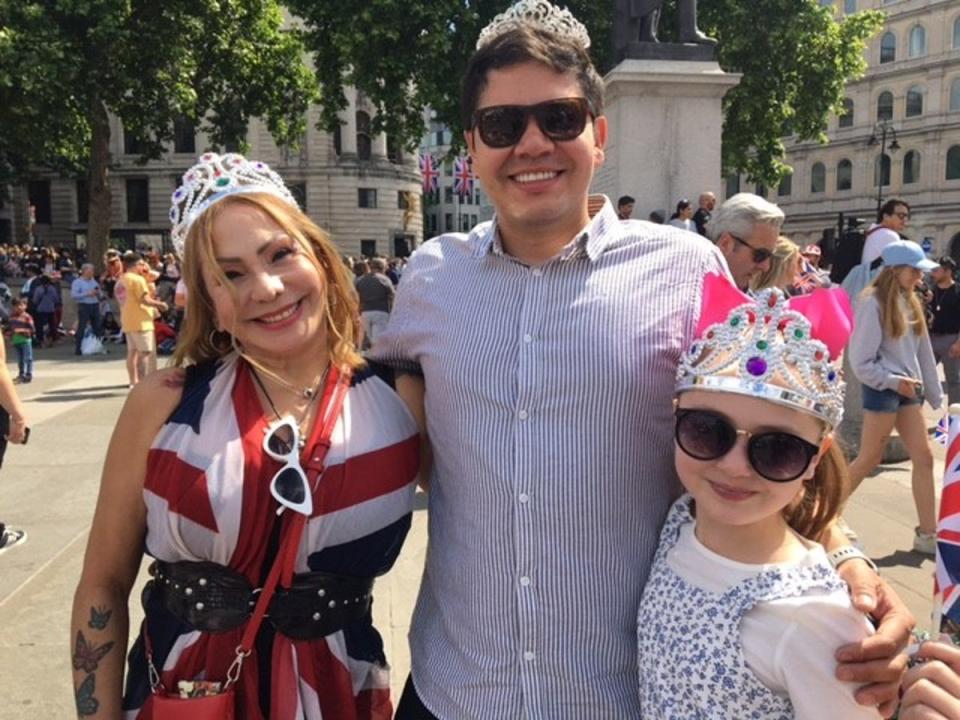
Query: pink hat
811,250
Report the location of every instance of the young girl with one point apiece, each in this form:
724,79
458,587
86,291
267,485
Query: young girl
21,330
892,357
743,612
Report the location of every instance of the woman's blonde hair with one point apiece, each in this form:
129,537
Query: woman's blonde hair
783,266
197,343
888,293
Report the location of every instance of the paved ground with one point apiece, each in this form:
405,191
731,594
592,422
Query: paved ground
49,487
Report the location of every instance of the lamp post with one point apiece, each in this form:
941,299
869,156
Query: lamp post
883,128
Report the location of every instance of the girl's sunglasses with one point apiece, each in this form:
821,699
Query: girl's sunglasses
777,456
289,486
502,126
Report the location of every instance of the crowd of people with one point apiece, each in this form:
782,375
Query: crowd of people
625,431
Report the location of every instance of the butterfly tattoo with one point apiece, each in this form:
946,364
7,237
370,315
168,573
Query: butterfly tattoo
99,617
87,656
87,704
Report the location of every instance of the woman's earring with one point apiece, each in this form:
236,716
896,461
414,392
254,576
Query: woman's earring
219,338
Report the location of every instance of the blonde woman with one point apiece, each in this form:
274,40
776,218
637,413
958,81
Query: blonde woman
215,461
784,267
891,355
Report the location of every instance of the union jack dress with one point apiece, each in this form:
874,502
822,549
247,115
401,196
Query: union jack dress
207,498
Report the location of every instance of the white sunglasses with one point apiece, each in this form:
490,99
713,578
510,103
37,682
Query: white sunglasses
289,486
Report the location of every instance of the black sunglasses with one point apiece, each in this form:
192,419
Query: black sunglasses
560,120
777,456
289,486
760,255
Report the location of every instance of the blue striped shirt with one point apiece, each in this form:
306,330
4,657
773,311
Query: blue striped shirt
548,403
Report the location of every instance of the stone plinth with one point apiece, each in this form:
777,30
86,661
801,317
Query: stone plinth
665,120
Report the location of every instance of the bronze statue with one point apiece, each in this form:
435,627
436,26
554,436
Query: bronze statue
636,21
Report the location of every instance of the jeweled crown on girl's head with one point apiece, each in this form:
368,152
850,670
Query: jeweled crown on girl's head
784,351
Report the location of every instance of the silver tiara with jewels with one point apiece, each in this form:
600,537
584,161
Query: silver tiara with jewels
766,349
539,14
213,178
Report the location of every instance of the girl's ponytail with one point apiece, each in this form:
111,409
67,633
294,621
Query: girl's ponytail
823,496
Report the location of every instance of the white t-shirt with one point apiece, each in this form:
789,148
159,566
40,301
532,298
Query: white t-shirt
688,225
877,240
789,643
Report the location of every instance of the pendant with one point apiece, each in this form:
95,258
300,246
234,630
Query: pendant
308,393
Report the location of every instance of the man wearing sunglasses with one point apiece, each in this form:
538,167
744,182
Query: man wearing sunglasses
891,222
538,353
745,229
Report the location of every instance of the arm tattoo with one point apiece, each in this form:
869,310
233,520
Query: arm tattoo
87,704
87,656
99,617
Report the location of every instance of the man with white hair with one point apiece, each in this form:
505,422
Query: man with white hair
706,202
85,291
745,229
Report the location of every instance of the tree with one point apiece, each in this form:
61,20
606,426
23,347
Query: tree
66,65
405,55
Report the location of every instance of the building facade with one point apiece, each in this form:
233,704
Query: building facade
354,184
445,210
911,89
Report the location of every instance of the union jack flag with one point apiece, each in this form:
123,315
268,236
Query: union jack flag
947,577
941,431
428,169
463,176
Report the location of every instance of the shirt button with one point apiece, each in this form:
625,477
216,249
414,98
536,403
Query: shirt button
528,338
525,581
522,414
537,272
523,497
528,656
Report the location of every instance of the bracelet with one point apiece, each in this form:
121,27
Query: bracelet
850,552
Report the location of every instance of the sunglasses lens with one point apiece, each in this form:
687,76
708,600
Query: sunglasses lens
703,435
502,127
290,486
281,441
562,119
780,457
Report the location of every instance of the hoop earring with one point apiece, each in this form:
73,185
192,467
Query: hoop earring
217,338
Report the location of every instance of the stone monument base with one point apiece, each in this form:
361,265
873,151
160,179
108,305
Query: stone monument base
665,119
699,52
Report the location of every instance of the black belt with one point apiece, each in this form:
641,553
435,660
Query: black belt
213,598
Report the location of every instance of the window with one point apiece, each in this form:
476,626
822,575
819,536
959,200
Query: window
911,167
394,153
760,190
402,203
368,248
433,224
138,200
818,178
439,137
885,106
132,145
881,170
915,101
733,185
846,116
184,136
785,187
448,222
338,140
849,7
464,223
364,143
83,202
955,94
953,163
956,33
844,175
299,192
473,221
448,168
918,42
38,192
367,197
888,48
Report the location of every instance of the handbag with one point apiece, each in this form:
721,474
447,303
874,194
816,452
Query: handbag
221,705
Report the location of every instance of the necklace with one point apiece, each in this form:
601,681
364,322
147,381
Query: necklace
263,389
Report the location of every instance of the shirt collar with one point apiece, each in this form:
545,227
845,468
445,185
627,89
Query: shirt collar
593,240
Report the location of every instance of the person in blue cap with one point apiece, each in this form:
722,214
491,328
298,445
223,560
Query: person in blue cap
891,355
